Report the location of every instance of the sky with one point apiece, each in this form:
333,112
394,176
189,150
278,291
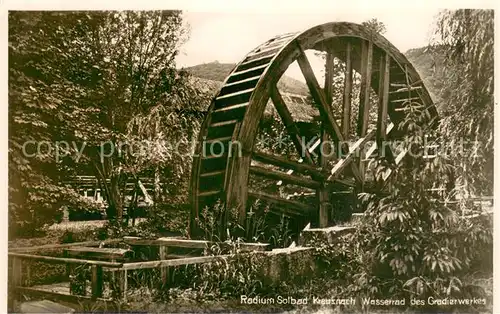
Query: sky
228,36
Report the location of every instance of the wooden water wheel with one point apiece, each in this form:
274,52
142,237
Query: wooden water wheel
227,158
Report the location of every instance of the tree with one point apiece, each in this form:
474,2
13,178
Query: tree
79,78
465,37
34,195
375,25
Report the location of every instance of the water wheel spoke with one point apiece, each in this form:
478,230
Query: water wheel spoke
291,127
281,176
383,92
346,110
364,96
324,108
318,95
283,162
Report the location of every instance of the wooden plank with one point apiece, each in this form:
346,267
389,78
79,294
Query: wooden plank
286,163
346,111
60,260
110,253
60,246
290,125
174,262
276,175
383,93
306,209
97,281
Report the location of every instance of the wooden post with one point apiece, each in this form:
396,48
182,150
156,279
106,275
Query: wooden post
164,271
17,272
325,150
97,277
27,279
123,285
120,285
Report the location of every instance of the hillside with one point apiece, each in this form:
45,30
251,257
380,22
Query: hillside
429,64
216,71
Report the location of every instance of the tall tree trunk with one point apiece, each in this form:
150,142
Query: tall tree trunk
116,201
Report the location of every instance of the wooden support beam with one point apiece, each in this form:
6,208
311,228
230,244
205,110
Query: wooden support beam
354,149
164,271
306,209
323,193
276,175
290,125
286,163
346,112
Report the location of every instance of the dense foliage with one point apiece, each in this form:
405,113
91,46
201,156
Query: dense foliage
76,81
466,38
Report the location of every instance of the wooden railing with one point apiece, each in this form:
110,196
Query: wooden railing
84,254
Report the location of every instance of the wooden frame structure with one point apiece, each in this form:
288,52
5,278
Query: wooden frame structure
99,260
236,111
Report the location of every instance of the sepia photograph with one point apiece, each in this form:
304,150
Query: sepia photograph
173,160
